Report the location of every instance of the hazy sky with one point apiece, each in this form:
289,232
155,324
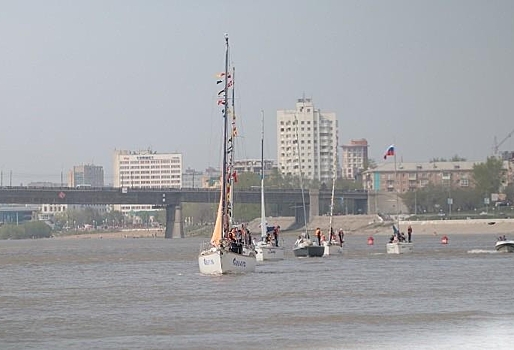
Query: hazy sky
79,79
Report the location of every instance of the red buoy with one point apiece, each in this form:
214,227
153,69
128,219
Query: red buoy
371,240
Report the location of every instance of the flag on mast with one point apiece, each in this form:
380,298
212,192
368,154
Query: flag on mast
389,152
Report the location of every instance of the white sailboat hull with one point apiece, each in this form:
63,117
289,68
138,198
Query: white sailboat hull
219,262
332,249
268,252
399,247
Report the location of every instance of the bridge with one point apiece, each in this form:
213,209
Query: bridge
171,199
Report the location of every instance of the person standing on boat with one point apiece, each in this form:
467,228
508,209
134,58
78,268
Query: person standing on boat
318,234
409,233
341,237
275,235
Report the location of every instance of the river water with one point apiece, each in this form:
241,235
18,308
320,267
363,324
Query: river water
148,294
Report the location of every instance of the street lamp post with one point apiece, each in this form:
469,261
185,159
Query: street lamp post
415,202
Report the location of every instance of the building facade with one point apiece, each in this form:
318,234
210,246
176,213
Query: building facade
354,158
307,140
412,176
253,166
192,178
49,210
86,175
146,169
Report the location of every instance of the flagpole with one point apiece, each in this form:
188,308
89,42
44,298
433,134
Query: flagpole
397,189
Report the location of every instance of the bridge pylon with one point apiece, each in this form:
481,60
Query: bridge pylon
174,225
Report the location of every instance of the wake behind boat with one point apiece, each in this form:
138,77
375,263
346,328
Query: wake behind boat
230,249
505,246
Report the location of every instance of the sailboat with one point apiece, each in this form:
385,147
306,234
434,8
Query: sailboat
397,244
268,247
332,246
304,246
227,251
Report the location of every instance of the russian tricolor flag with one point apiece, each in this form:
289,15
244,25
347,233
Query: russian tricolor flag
389,152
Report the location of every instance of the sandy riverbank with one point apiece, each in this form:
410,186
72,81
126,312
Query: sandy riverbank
118,234
446,227
353,225
369,225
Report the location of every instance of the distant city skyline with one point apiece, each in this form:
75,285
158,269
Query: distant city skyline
81,79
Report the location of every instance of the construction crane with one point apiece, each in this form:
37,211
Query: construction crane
497,144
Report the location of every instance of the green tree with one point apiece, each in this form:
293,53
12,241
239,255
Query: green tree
488,176
509,192
347,184
200,213
31,229
145,217
433,199
245,212
114,218
274,180
160,216
457,158
370,164
246,181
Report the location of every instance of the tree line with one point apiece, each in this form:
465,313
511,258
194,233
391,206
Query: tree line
488,178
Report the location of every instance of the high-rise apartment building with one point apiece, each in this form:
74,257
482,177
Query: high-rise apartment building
86,175
146,169
355,158
308,137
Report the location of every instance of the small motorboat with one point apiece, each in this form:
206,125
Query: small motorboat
505,245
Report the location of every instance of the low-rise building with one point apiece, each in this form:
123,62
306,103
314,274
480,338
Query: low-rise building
404,177
146,169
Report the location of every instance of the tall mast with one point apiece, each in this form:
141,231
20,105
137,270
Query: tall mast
263,206
232,148
334,175
306,233
397,190
225,126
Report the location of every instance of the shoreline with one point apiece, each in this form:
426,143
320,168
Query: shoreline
141,233
430,227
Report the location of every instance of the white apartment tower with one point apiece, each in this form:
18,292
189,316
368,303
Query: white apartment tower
355,158
146,169
308,137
